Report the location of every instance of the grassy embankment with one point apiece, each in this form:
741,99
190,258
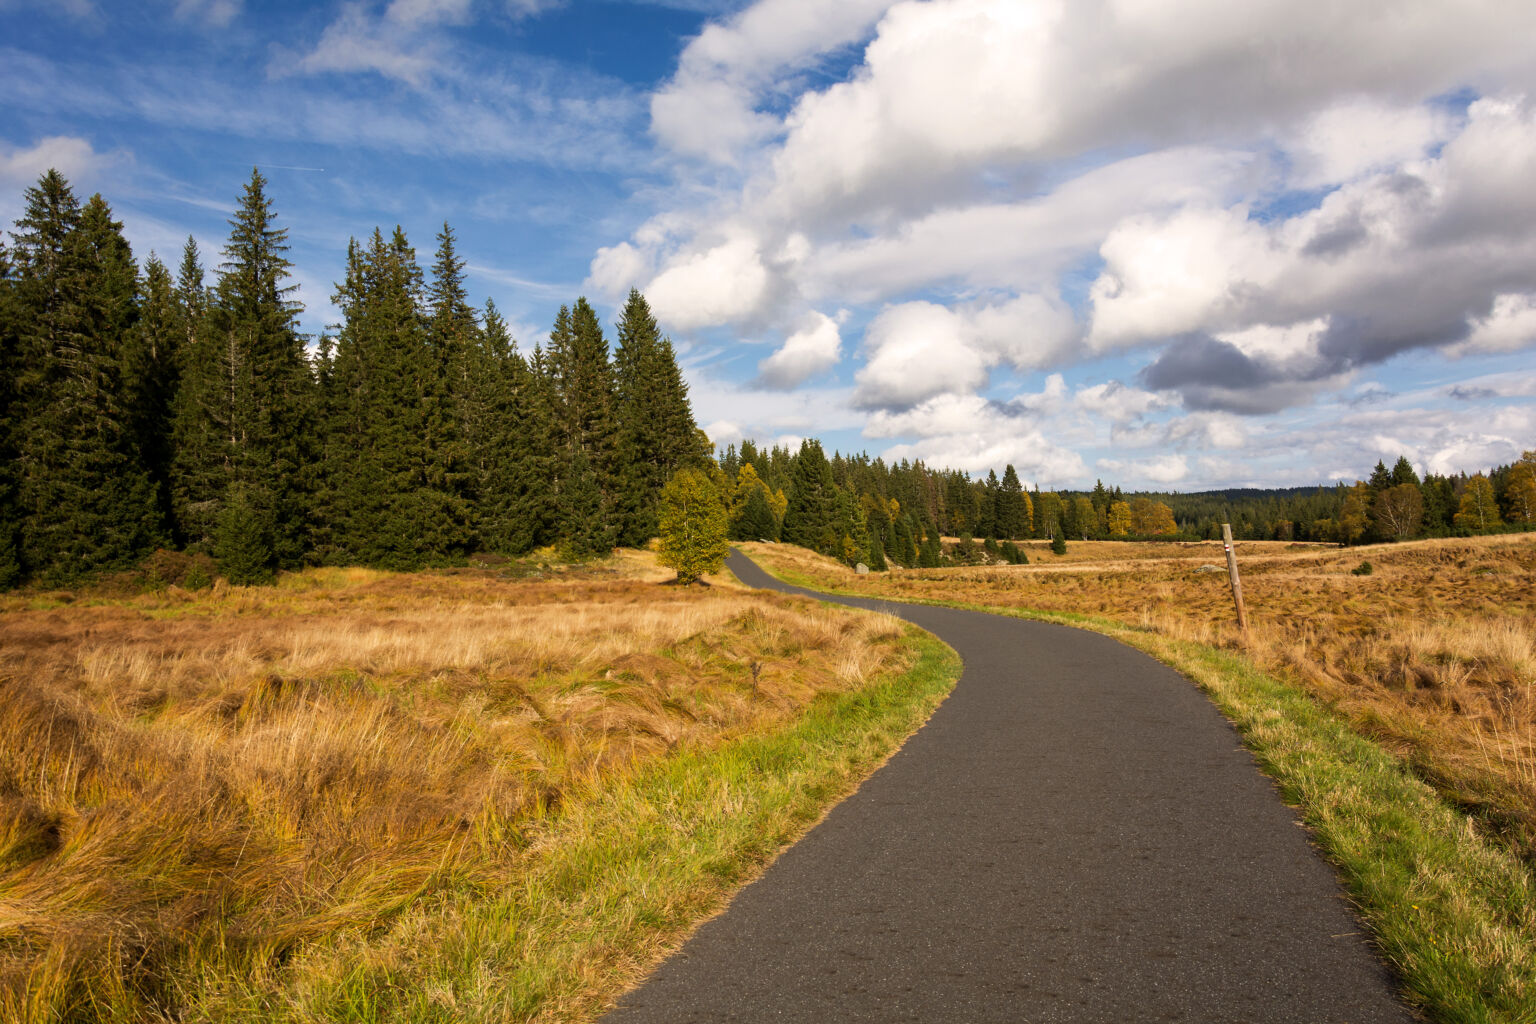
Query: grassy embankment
1396,709
447,796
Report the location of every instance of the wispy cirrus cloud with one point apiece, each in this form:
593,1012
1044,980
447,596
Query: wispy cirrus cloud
212,13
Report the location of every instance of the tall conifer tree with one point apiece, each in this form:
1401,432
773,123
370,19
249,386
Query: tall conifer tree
85,501
588,430
512,429
453,335
810,519
157,373
393,502
246,408
585,378
1012,514
657,433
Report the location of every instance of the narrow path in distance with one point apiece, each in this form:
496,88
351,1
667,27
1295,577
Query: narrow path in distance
1076,835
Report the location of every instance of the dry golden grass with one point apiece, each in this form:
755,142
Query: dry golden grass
193,784
1432,654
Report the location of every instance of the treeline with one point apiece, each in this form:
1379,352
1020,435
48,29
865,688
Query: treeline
860,509
145,409
1392,505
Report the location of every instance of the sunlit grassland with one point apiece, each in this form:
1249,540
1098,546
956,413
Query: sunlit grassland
439,796
1394,709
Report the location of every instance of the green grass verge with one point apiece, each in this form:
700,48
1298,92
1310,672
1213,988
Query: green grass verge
612,884
1451,911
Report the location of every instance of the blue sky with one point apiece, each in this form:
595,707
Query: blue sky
1167,243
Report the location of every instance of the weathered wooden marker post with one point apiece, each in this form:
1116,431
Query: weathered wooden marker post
1237,584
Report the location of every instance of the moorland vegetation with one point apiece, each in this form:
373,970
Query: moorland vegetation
479,794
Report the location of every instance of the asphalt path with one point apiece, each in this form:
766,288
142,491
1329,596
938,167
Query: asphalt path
1076,835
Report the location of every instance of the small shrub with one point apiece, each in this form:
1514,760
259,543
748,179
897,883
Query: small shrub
1363,569
164,568
198,577
242,544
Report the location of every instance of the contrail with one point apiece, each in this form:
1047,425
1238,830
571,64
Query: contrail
285,167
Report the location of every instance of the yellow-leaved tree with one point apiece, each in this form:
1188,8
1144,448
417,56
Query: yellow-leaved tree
693,526
1520,492
1151,518
1119,518
1478,509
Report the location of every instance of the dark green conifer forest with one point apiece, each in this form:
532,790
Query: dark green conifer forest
143,411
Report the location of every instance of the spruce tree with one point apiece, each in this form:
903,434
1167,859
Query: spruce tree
877,554
338,420
849,527
244,417
657,432
809,521
904,549
1381,478
157,354
516,455
395,505
242,543
588,431
453,335
987,506
86,503
932,554
586,530
755,521
751,507
1011,517
1440,503
585,379
191,474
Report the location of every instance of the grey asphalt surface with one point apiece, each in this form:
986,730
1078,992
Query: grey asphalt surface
1076,835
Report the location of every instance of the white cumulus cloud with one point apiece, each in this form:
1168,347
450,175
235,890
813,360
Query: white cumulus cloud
813,349
727,282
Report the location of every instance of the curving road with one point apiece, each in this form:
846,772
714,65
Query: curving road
1076,835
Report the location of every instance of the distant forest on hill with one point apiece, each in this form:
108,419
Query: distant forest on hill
859,508
158,420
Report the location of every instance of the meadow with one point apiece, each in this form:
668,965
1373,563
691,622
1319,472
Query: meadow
480,794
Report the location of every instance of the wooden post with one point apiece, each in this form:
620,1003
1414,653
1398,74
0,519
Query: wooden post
1237,584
